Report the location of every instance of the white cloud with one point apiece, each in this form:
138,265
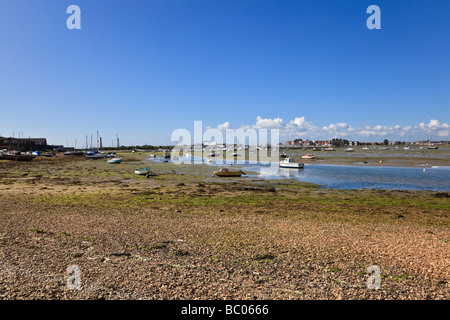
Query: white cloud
299,127
224,126
268,123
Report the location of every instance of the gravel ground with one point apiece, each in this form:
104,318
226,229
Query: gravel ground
184,241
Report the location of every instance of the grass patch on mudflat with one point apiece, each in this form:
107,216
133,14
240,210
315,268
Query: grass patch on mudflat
372,198
352,207
107,199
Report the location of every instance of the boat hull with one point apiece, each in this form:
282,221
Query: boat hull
228,174
18,157
115,160
292,165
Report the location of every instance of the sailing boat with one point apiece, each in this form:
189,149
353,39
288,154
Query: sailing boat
17,156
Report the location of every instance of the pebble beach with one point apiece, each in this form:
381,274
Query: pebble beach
184,234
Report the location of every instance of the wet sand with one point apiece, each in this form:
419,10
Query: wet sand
184,234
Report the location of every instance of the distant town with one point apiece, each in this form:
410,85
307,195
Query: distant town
33,144
299,143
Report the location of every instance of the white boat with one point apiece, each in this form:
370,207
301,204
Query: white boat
349,150
329,149
115,160
290,163
142,171
309,156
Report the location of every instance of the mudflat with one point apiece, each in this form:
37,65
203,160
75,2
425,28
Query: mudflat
181,233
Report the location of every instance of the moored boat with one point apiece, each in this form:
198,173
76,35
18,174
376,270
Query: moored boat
224,172
17,156
290,163
115,160
142,171
309,156
95,156
74,153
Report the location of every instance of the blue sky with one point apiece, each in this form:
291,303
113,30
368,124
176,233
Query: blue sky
143,68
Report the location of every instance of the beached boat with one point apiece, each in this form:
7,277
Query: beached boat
17,156
309,156
142,171
95,156
329,149
349,150
290,163
115,160
51,154
74,153
224,172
